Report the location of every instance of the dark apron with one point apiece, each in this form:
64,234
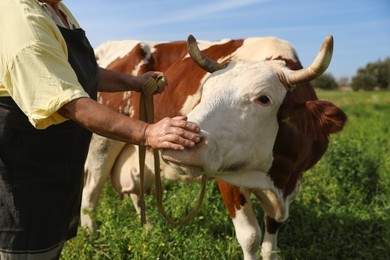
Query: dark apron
41,171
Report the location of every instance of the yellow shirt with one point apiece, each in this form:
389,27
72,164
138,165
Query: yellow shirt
34,67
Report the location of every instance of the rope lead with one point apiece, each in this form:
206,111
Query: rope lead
146,114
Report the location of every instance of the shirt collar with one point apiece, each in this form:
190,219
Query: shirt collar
50,11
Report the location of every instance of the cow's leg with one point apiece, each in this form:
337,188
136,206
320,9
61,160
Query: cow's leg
101,157
134,198
276,210
273,208
269,248
247,228
238,203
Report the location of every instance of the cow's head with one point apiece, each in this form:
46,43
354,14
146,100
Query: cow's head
238,112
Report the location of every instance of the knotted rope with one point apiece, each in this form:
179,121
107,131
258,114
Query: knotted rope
146,113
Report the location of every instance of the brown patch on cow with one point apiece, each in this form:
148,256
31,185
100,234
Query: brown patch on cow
183,75
113,100
305,124
271,225
219,51
232,197
128,63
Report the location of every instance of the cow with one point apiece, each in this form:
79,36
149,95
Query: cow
262,123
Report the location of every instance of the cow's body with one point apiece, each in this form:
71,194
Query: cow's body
251,145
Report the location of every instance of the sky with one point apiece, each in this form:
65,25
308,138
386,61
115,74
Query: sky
361,28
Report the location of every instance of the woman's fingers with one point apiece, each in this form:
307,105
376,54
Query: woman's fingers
188,130
173,133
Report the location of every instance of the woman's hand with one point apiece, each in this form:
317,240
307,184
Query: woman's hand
141,80
172,133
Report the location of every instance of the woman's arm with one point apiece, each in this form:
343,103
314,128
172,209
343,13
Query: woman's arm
169,133
113,81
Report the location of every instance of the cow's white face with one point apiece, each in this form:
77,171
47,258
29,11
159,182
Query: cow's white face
238,118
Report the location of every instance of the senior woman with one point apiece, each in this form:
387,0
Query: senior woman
48,86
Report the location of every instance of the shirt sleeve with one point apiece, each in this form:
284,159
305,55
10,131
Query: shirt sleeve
38,75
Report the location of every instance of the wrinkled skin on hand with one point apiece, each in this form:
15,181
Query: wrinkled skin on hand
172,133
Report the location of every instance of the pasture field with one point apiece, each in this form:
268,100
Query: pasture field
342,211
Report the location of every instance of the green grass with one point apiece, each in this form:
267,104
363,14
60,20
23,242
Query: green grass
342,211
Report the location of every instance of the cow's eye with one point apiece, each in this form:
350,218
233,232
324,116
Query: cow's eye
264,100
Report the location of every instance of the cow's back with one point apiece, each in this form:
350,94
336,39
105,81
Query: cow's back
184,76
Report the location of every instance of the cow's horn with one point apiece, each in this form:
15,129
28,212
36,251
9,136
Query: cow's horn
199,58
319,65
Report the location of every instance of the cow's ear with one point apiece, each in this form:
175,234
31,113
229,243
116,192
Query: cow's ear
318,119
328,115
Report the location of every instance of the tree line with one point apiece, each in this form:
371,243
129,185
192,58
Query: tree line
375,76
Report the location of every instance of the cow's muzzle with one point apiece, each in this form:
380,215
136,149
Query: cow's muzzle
193,161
